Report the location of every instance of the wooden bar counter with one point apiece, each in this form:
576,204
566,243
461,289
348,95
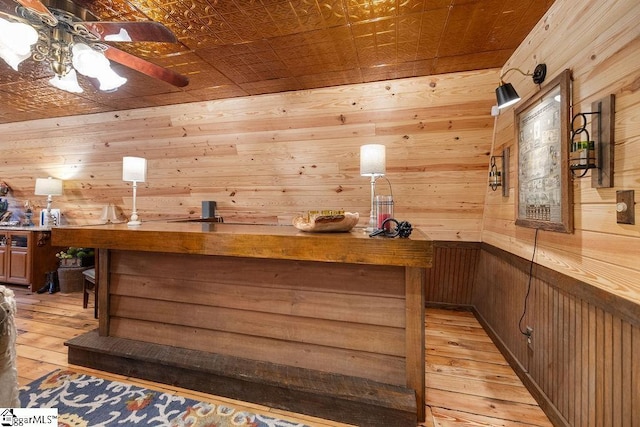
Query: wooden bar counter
328,324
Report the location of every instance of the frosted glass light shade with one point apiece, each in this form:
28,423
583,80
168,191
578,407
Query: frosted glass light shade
16,40
94,64
87,61
48,187
68,82
110,80
134,169
373,160
17,36
11,58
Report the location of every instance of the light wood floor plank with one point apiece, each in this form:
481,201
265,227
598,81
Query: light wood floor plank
492,390
451,418
473,369
485,406
447,330
468,380
464,350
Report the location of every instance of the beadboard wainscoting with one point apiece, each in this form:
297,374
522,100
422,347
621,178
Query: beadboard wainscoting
581,363
449,281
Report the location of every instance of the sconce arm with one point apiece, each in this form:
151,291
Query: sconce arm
538,75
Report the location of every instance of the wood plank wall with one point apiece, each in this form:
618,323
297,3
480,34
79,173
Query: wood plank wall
599,40
264,159
582,363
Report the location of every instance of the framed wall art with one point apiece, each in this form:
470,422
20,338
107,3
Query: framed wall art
544,198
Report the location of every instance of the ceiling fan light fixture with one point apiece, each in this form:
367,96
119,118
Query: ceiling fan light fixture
25,36
68,37
16,40
68,82
87,61
17,36
110,80
11,58
92,63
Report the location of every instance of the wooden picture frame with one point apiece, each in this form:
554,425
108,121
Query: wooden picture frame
544,199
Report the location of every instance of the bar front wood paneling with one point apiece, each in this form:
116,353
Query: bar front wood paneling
338,304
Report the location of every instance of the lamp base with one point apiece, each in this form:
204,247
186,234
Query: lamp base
133,223
371,227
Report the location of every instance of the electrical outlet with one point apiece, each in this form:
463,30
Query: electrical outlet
529,335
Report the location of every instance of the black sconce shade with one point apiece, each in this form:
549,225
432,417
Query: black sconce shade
506,95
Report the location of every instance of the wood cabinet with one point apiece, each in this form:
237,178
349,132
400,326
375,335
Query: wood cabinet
26,256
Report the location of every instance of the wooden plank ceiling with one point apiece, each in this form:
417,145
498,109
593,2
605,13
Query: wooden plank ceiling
232,48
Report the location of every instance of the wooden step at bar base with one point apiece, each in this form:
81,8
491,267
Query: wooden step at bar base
335,397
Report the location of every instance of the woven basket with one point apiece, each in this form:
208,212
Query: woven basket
70,279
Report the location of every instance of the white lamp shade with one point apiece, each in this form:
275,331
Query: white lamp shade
134,169
372,160
48,187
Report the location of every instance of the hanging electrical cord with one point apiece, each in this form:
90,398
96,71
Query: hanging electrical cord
525,332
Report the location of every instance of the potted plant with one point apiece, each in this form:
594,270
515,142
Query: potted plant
76,257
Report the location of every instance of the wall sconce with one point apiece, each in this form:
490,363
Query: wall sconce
373,163
499,177
48,187
507,95
596,150
134,169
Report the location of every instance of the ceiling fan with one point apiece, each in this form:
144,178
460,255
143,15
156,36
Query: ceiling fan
71,39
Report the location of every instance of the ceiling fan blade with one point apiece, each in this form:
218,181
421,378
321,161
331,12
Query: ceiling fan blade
41,10
136,31
146,67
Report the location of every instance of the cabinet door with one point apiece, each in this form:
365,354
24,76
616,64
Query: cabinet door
18,267
19,263
3,258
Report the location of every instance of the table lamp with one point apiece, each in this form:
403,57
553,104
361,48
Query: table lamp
373,164
134,169
48,187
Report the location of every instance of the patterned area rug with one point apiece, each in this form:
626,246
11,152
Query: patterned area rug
84,400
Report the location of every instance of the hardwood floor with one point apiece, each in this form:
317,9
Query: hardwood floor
468,380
